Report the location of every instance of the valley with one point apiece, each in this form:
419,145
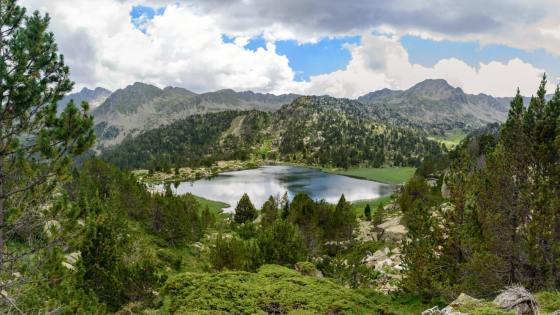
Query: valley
278,198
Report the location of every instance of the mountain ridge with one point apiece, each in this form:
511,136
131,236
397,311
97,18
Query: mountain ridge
432,105
94,97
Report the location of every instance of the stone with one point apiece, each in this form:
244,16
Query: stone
392,230
519,299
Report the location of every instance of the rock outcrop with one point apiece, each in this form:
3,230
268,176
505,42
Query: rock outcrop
519,299
391,230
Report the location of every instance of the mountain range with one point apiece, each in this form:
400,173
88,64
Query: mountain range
438,106
433,106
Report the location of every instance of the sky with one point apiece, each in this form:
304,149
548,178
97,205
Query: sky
341,48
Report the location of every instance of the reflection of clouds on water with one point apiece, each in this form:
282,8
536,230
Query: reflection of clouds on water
263,182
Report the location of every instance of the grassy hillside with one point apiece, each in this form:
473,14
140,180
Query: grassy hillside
215,207
321,131
389,175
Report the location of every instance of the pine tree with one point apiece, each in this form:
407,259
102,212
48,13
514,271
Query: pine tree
281,243
208,218
245,211
367,212
101,264
269,211
343,220
36,144
424,274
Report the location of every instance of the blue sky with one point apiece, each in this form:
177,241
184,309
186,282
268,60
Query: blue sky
141,14
331,54
428,52
325,56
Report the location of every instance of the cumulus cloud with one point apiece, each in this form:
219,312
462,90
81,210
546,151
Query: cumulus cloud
512,22
178,48
184,46
381,61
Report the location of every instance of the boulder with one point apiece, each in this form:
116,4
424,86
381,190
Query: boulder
518,299
379,255
384,258
391,230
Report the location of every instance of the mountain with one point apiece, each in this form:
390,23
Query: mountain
440,107
93,97
141,106
432,106
316,130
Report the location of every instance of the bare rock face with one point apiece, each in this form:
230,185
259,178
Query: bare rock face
519,299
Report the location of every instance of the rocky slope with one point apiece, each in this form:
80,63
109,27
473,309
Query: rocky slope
141,107
316,130
439,106
432,106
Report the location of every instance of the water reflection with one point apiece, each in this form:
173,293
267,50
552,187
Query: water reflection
275,180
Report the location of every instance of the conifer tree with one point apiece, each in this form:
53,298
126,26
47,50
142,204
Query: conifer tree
36,144
269,211
285,204
245,211
367,212
343,220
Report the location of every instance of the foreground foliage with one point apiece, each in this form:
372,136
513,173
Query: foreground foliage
271,289
497,221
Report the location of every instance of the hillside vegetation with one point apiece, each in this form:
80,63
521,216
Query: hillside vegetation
321,131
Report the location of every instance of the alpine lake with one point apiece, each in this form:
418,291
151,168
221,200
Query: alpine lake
275,180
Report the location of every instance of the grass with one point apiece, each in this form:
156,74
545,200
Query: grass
451,138
548,301
360,205
388,175
215,207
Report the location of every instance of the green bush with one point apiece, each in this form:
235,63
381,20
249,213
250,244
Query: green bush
281,243
271,288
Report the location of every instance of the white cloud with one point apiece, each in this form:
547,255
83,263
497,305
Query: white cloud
381,61
179,48
184,47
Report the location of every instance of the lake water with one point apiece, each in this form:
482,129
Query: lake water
266,181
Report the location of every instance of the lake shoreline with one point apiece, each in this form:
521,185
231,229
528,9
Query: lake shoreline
278,179
193,174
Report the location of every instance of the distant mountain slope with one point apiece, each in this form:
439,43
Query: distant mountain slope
439,106
315,130
431,106
94,97
140,107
